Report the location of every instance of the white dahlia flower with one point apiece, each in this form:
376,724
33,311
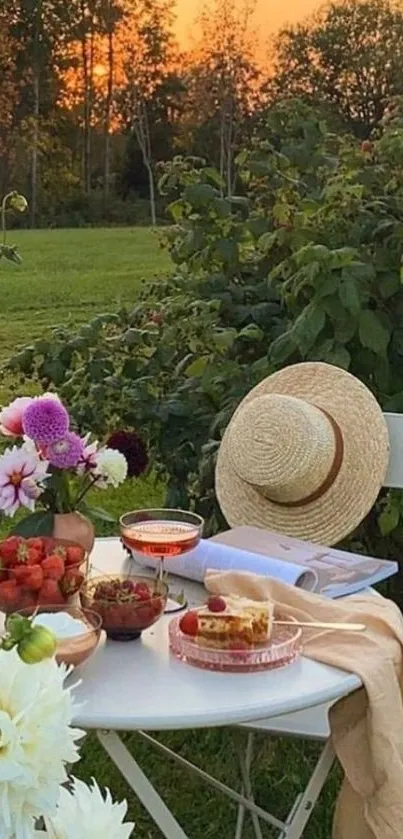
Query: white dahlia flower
83,813
111,467
36,742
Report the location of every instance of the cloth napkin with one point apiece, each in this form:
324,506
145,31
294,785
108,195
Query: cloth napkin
367,726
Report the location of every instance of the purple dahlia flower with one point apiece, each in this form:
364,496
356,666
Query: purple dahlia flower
66,452
45,420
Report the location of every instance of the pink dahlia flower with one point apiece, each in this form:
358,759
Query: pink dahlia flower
66,452
88,459
45,420
21,475
11,417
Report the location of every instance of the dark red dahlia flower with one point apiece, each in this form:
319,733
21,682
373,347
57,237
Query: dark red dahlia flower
132,447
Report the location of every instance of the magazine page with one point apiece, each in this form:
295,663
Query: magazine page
212,554
338,572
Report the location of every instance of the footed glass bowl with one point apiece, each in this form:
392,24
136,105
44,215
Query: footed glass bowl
127,603
71,650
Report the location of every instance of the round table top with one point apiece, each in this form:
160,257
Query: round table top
139,685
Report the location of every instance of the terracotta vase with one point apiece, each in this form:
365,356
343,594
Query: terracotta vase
75,528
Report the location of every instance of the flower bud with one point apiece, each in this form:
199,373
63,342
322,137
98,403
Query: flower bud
18,202
39,644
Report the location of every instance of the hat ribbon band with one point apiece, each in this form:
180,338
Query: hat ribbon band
332,475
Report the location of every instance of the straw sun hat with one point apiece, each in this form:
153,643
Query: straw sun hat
305,454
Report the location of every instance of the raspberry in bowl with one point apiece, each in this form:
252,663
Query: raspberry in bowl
128,604
39,571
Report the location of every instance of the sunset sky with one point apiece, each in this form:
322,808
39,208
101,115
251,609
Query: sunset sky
269,15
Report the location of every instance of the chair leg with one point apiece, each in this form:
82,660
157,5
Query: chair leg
305,803
245,761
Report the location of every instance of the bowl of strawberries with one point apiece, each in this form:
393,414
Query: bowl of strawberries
128,604
39,571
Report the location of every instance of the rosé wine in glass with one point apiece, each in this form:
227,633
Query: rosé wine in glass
161,533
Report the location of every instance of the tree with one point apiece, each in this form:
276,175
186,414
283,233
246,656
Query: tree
222,82
148,59
348,56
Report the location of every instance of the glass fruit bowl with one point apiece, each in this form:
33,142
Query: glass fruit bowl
39,571
72,649
127,603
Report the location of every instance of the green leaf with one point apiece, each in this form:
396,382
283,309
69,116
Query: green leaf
99,513
282,348
349,295
252,332
389,285
267,241
373,333
176,209
214,176
307,327
388,519
223,339
199,195
197,367
338,356
37,524
222,207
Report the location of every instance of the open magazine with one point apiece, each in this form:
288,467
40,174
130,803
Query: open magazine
326,571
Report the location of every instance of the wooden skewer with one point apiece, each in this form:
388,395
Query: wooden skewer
343,627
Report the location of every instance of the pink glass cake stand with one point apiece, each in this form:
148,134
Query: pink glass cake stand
283,648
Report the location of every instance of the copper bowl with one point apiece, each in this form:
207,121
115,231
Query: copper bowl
123,617
18,592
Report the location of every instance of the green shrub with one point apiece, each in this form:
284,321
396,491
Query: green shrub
307,265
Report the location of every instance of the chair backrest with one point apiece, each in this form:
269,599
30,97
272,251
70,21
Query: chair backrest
394,477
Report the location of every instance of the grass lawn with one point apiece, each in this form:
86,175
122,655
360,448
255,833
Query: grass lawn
69,275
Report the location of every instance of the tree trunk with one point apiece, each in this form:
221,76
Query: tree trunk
86,161
222,150
151,186
87,80
90,106
36,93
34,153
108,106
142,131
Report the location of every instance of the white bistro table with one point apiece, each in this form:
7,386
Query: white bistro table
139,686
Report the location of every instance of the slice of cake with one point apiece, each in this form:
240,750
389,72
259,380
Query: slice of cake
230,623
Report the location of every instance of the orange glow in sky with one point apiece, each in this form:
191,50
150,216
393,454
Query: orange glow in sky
270,15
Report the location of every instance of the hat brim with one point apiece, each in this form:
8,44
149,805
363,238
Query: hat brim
365,458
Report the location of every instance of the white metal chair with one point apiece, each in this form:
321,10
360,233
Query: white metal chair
312,724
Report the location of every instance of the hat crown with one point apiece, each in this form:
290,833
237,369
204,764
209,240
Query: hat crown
283,446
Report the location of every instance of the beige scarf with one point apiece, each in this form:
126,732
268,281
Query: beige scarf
367,726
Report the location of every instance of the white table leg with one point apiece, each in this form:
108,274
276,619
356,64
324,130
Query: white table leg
140,785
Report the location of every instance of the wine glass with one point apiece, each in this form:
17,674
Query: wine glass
161,533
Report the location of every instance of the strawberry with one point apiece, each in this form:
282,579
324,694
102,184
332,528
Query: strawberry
50,594
9,594
19,573
142,592
37,543
71,581
34,578
53,567
74,555
9,551
188,624
216,604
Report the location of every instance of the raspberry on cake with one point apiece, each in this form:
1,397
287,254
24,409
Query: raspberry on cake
239,622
